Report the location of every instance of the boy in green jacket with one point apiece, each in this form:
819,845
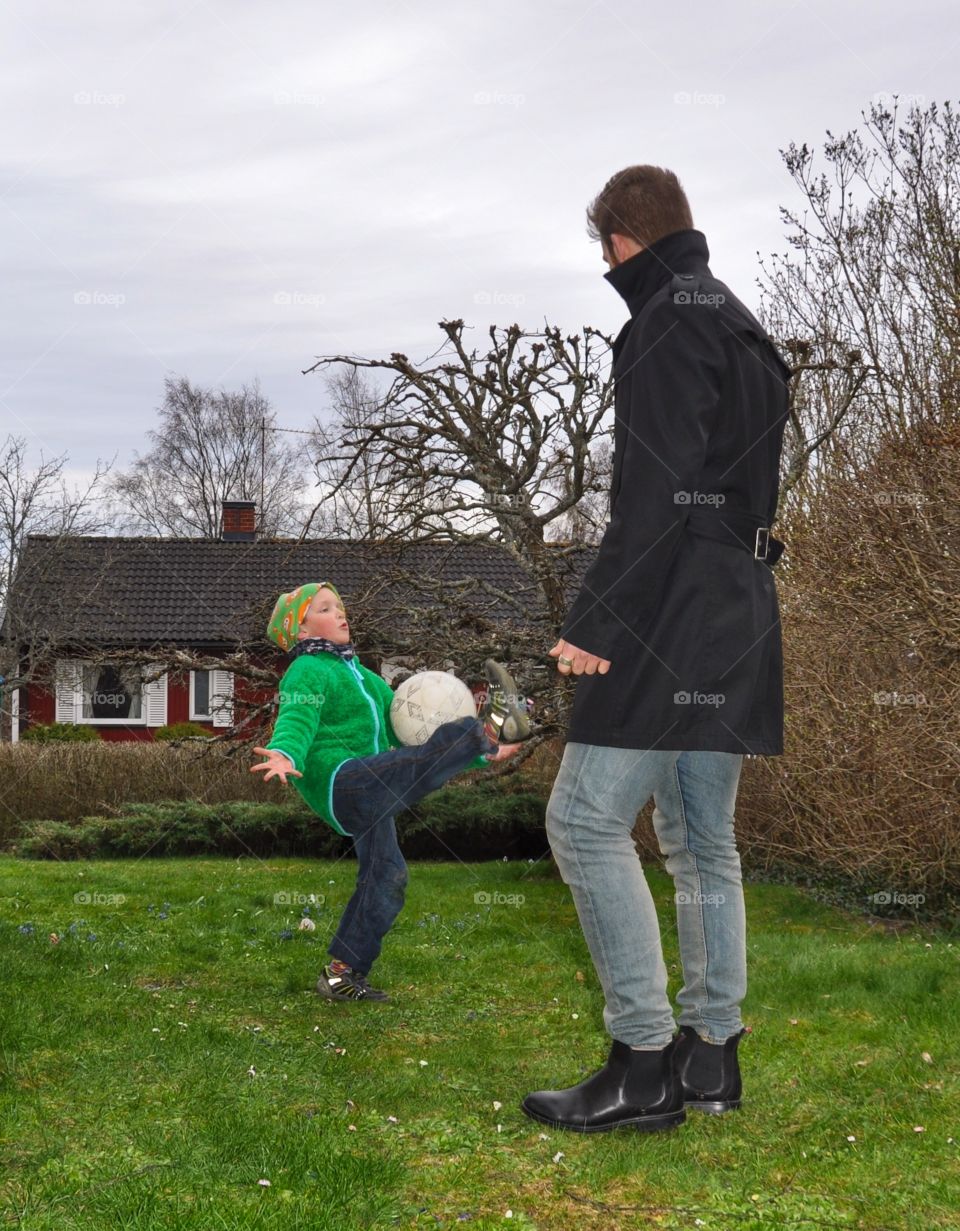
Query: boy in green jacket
334,737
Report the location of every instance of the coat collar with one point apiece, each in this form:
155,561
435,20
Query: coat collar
638,277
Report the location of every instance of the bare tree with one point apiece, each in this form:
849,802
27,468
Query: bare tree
867,304
36,502
211,446
488,446
40,503
364,502
586,521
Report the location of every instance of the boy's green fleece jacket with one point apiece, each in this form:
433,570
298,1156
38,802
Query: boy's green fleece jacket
332,709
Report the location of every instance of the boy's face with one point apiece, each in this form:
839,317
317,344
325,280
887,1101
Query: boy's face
325,617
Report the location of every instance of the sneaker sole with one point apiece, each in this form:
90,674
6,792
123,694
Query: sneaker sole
328,995
507,685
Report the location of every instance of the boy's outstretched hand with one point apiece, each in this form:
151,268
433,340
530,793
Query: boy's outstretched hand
503,752
276,763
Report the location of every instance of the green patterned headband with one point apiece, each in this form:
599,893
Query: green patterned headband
289,612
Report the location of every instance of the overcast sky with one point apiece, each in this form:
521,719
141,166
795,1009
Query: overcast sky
225,191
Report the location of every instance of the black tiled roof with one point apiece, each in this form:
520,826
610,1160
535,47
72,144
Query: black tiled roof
136,591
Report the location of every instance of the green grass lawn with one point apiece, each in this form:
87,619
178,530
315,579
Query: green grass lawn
168,1057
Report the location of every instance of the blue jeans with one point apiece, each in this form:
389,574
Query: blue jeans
368,792
593,807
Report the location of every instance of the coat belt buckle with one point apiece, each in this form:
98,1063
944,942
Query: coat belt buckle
765,531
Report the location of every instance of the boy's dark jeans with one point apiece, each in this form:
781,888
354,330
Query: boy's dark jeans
368,792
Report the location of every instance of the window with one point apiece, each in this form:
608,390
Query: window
111,694
105,693
200,696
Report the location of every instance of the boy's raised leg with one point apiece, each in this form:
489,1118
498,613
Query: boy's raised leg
368,793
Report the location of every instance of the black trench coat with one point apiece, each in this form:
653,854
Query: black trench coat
691,625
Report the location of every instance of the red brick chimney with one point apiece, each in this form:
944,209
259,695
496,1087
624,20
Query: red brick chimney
238,521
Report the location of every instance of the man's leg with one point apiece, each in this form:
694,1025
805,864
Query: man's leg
694,822
593,808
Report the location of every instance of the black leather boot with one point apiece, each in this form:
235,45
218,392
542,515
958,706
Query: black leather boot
709,1072
634,1089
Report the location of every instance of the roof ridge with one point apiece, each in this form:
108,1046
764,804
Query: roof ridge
153,538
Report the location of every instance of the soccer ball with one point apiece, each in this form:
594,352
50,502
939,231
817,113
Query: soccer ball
426,701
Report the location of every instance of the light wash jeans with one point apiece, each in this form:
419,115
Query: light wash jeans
593,807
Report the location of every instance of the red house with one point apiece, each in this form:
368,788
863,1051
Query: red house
80,607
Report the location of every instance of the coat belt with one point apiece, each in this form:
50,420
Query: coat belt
741,529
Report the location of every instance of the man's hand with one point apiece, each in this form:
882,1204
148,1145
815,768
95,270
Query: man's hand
276,763
571,659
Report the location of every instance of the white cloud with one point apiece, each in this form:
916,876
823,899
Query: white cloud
381,168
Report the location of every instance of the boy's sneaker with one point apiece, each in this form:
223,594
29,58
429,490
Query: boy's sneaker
347,985
504,713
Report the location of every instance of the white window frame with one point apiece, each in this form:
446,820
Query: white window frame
69,698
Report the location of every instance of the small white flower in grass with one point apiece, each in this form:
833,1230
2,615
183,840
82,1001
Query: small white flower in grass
558,1156
496,1105
918,1128
499,1128
509,1214
393,1119
351,1128
155,1030
264,1183
544,1137
575,1016
251,1071
851,1138
424,1063
307,925
926,1057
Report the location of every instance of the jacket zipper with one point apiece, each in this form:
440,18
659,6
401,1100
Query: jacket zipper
373,709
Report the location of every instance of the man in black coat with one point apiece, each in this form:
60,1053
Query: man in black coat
674,638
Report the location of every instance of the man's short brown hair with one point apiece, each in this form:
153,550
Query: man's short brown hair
643,202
